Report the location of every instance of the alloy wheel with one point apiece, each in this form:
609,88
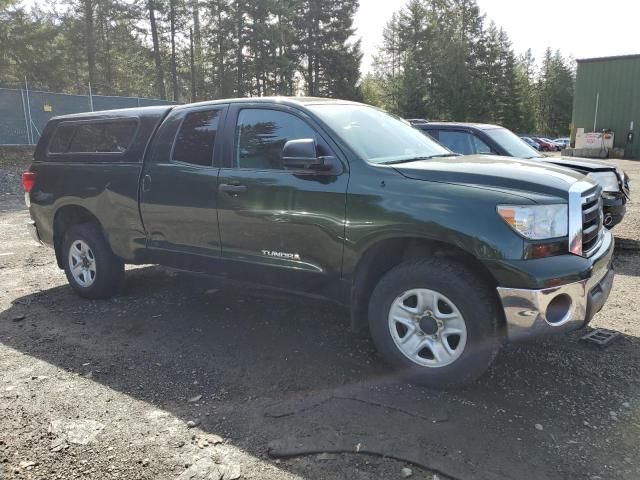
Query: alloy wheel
82,263
427,328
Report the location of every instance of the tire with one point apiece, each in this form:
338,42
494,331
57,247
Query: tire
98,272
462,293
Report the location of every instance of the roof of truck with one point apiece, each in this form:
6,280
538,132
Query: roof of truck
158,110
480,126
306,101
161,110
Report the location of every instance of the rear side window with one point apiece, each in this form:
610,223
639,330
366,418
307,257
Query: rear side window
196,138
94,137
62,139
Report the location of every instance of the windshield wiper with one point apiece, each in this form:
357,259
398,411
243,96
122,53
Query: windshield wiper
417,159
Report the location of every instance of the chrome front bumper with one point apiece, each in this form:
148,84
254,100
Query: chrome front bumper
534,313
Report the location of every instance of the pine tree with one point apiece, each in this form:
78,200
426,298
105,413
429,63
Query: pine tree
158,83
504,89
173,20
33,48
469,96
440,60
525,78
415,66
240,39
372,91
220,33
387,69
323,29
555,94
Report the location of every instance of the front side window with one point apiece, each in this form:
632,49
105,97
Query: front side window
377,136
479,146
94,137
456,141
261,135
196,138
430,134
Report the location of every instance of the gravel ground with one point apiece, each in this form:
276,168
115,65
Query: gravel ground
182,378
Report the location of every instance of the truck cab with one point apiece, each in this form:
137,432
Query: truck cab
441,258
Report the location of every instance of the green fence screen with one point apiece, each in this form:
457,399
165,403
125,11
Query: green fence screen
24,113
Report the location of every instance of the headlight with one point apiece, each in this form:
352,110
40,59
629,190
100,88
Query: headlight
621,175
607,180
537,222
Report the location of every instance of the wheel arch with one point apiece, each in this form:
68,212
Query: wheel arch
385,254
66,217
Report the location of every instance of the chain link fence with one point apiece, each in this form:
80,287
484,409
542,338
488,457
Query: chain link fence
24,113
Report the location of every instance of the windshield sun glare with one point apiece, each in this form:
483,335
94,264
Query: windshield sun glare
377,136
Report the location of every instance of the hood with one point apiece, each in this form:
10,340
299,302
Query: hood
494,172
583,164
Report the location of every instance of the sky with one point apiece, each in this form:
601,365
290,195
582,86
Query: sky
578,28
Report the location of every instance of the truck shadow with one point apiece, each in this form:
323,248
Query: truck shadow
627,262
288,374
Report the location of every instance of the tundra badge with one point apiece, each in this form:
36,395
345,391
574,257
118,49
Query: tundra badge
288,256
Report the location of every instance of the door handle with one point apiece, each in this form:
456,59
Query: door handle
232,189
146,183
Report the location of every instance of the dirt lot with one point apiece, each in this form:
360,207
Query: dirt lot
181,378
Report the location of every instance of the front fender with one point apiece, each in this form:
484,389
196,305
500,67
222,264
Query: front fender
459,215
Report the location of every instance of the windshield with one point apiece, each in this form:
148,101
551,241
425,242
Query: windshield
377,136
514,145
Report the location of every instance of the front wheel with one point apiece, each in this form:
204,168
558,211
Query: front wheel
91,267
436,322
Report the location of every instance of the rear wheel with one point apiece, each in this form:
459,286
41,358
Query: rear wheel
91,267
436,322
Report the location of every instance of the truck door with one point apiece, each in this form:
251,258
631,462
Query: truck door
284,227
178,188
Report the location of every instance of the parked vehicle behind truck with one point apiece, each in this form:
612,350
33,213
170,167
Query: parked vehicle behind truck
442,258
471,138
545,144
532,143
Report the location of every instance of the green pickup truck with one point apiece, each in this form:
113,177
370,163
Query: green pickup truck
442,258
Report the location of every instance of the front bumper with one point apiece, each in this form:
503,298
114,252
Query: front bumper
614,208
534,313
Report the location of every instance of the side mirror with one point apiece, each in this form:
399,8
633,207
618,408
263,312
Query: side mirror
300,154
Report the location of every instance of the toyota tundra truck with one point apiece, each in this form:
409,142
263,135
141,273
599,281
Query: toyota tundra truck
441,258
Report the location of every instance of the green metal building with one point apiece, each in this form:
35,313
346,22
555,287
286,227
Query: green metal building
607,96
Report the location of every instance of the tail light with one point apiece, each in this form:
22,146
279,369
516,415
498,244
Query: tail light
28,181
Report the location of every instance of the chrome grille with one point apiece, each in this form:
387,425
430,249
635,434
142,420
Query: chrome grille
592,221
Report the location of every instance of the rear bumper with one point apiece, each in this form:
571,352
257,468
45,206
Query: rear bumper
534,313
33,230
